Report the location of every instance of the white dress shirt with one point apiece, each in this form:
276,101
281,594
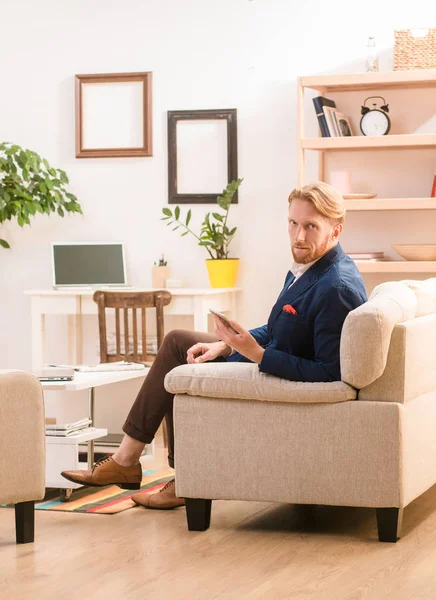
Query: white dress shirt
298,269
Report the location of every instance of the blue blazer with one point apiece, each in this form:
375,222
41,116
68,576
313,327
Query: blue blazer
305,346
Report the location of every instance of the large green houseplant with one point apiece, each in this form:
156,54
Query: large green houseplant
29,185
215,236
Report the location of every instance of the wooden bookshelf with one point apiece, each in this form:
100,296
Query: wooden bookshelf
397,266
362,142
375,82
391,204
371,81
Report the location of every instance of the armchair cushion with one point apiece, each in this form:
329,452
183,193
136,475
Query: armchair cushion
425,292
244,381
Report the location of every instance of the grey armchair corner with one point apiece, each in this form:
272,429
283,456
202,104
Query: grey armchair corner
22,448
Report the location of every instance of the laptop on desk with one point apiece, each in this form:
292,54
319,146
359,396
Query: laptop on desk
56,374
89,265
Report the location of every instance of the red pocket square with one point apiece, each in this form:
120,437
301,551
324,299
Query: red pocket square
289,309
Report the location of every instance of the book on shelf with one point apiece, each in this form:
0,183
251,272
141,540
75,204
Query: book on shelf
370,259
332,123
367,256
319,102
344,124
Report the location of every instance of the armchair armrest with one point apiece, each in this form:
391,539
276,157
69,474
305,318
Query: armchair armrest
22,437
244,381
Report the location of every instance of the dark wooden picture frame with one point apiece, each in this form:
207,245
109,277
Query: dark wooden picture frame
174,116
146,115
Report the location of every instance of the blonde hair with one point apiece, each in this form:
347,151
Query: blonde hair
325,198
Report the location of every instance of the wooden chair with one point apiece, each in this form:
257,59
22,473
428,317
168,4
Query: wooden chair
135,345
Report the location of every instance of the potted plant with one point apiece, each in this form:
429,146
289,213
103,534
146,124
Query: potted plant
29,185
215,236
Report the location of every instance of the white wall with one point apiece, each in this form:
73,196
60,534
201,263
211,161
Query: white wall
203,54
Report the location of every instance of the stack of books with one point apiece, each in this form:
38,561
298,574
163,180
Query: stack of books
67,429
367,256
332,123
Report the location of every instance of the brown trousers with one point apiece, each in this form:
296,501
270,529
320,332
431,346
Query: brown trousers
153,402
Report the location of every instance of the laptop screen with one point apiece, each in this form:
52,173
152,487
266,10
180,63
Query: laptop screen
88,264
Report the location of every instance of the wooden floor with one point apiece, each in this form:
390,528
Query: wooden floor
252,550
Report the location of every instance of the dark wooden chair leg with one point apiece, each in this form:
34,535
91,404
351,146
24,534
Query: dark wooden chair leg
25,522
198,513
387,524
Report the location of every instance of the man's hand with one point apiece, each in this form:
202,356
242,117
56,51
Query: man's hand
243,341
203,352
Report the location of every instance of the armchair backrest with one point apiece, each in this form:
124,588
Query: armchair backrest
388,344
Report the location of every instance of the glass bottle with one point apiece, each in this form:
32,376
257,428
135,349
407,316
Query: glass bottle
371,56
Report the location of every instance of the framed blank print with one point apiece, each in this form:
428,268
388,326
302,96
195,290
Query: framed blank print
113,115
202,155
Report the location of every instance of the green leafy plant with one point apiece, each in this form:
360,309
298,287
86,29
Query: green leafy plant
215,235
29,185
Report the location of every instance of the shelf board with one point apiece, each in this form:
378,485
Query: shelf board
92,433
397,266
391,204
371,81
362,142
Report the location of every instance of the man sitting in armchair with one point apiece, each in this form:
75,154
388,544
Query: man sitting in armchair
300,342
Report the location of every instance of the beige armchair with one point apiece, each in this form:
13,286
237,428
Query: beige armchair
365,441
22,448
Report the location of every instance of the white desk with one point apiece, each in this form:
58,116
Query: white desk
77,302
63,452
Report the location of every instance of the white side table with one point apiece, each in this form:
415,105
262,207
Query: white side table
62,453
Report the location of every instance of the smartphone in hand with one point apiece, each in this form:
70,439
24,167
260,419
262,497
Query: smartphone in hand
224,320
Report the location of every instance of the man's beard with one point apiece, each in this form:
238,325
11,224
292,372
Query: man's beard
312,255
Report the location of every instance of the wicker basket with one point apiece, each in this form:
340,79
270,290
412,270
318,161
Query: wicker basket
412,52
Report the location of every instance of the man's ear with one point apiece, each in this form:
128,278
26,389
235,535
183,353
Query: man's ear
337,230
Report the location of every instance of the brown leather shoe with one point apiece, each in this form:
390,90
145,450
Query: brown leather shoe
108,472
165,499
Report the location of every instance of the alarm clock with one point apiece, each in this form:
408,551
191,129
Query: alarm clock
375,121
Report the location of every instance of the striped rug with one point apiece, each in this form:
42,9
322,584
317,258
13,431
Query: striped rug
107,500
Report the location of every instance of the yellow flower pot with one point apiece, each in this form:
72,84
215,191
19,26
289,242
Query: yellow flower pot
222,273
